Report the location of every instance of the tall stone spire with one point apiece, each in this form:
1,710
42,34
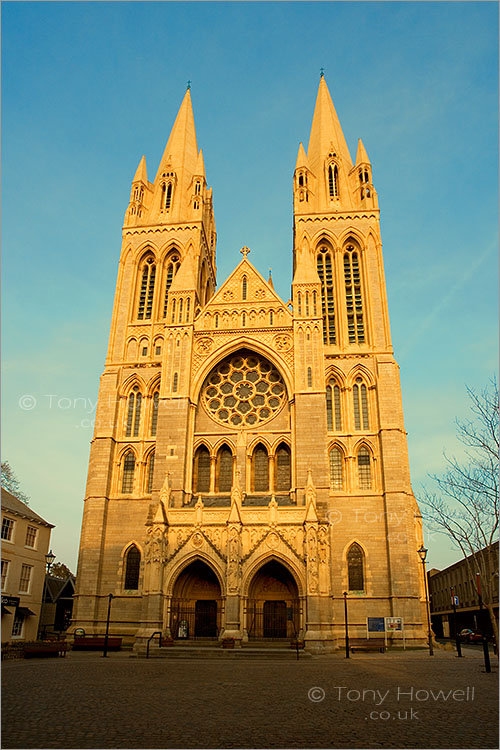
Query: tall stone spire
326,132
181,149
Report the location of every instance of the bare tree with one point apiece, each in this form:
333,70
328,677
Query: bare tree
466,508
11,483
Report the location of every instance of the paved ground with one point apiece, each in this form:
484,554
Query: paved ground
369,701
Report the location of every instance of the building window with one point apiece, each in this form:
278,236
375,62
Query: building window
181,302
25,579
360,401
128,473
354,302
147,289
325,272
154,414
224,470
336,469
144,351
134,413
333,181
151,468
364,469
175,382
5,570
271,318
168,198
309,377
17,625
283,475
244,287
31,533
157,351
201,473
132,567
355,565
260,469
172,268
7,529
333,410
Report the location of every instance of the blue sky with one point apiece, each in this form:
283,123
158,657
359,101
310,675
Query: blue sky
87,88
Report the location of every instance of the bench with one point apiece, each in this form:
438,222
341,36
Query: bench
45,648
96,643
367,644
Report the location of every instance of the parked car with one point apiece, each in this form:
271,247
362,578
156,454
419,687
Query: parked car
470,636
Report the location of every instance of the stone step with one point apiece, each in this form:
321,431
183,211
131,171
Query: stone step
217,652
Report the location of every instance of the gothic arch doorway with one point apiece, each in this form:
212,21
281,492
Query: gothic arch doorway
196,605
273,604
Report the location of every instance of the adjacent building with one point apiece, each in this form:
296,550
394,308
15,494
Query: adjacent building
25,542
249,463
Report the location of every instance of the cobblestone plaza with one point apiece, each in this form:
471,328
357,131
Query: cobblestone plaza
394,700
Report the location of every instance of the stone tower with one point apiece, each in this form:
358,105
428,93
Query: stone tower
249,462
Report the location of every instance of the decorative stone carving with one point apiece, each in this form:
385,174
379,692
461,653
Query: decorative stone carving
283,342
204,346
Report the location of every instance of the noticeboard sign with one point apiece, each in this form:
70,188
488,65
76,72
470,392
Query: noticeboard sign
375,624
10,601
393,623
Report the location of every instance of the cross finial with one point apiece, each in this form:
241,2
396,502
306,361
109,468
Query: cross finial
244,251
322,72
189,85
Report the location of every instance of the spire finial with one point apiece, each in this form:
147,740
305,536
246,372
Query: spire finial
188,85
321,72
244,251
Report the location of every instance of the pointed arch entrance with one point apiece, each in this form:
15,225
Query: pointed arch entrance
273,605
196,605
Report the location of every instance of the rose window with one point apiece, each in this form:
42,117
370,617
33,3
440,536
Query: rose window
243,390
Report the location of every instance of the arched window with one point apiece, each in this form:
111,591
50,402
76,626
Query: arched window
168,199
315,306
336,469
181,301
146,293
271,318
360,400
175,382
283,474
132,568
260,469
354,301
333,181
128,473
309,377
134,413
325,273
224,470
243,320
151,468
244,287
299,303
364,469
216,321
154,413
355,568
172,268
188,305
333,410
201,472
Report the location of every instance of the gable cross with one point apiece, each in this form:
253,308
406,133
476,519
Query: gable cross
244,251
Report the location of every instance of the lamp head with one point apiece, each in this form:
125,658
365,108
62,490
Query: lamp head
422,553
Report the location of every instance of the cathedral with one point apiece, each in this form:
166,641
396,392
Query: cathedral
249,471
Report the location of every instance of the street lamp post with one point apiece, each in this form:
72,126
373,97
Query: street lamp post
49,561
105,651
346,627
423,554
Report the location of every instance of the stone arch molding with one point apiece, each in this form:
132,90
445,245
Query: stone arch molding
185,557
282,555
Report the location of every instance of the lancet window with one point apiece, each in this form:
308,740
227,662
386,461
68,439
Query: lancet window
154,413
133,412
224,470
173,264
283,473
132,568
260,469
325,273
333,407
336,468
201,470
360,402
353,295
364,468
355,568
150,472
333,181
146,292
128,473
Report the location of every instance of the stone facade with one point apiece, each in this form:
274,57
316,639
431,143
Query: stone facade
249,462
